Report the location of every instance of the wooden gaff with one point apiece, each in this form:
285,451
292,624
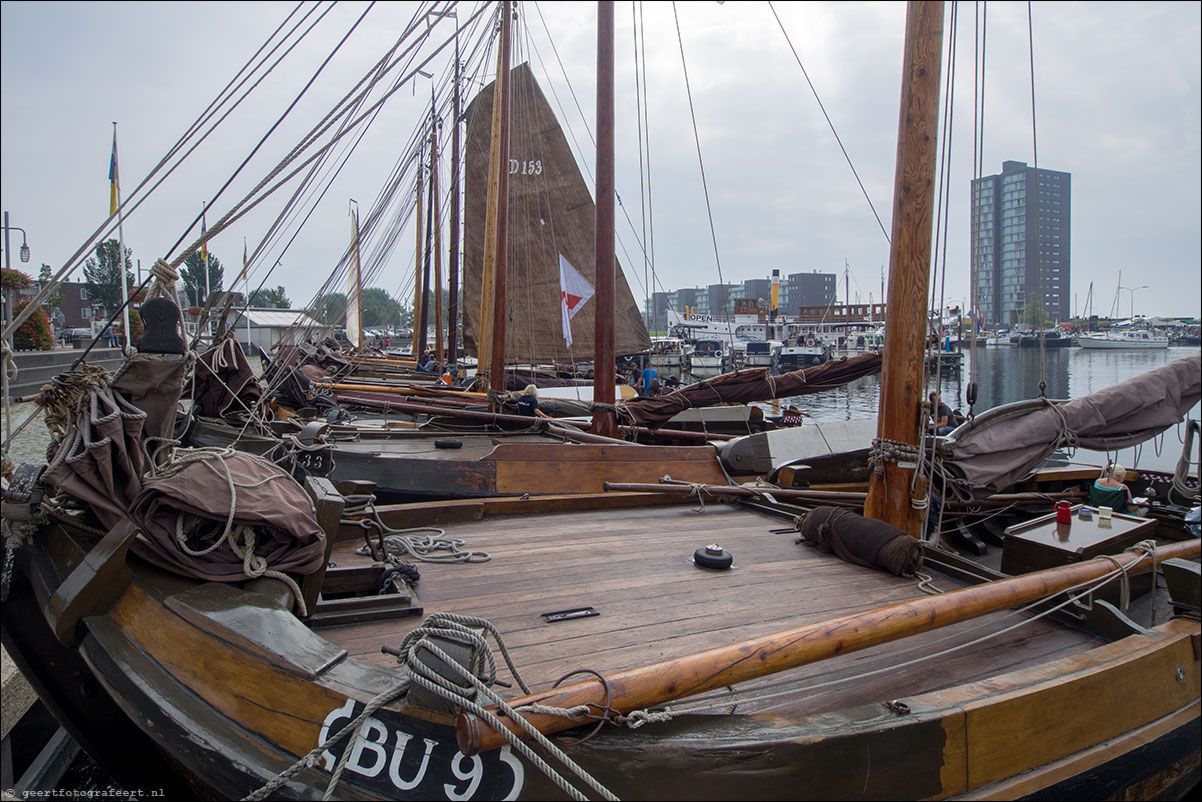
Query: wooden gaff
658,683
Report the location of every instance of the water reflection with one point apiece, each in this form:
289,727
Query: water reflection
1006,374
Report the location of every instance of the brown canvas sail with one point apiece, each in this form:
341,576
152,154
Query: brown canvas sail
551,212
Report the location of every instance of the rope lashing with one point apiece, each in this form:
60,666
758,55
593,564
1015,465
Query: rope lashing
360,510
885,450
466,630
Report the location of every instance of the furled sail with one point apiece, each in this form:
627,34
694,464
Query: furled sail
1006,443
551,214
755,384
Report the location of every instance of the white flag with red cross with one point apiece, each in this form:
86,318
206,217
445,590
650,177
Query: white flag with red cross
574,291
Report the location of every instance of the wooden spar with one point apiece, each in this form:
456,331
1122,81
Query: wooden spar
501,270
604,419
436,223
453,266
395,390
658,683
420,344
909,266
485,339
419,325
998,499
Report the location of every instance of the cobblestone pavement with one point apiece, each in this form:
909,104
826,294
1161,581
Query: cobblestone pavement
30,444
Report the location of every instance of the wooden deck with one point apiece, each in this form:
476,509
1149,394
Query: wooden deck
634,567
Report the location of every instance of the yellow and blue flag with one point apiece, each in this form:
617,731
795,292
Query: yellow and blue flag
113,177
204,245
244,260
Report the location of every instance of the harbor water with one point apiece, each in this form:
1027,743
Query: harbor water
1005,374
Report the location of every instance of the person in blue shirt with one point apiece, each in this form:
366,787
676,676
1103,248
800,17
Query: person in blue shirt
528,403
644,384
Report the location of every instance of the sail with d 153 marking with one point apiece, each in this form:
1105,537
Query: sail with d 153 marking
551,216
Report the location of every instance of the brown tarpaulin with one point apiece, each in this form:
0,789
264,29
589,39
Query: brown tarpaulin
101,461
225,383
1002,447
200,496
746,386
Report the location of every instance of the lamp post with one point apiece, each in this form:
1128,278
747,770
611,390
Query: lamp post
8,300
1132,291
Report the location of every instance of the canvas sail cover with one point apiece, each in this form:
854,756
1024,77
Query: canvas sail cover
754,384
999,450
354,291
551,212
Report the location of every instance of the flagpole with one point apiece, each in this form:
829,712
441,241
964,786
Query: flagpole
204,250
121,245
246,279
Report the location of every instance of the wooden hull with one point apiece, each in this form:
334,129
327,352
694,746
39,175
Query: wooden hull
233,689
413,466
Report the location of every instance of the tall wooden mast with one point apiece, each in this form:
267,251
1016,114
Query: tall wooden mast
501,269
421,345
901,404
419,324
436,223
604,420
453,266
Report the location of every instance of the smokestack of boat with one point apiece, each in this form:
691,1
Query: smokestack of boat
774,302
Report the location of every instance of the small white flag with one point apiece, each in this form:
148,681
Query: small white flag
574,291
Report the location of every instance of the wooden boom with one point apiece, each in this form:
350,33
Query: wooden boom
657,683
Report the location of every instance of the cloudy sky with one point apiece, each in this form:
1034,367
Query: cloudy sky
1117,105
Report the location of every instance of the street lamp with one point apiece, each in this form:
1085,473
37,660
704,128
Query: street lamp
1132,291
8,301
7,251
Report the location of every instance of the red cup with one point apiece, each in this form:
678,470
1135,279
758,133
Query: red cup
1064,512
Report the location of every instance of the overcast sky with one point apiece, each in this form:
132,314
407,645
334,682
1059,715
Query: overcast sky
1117,104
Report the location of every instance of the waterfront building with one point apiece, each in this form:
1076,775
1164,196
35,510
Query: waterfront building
1011,262
806,289
796,290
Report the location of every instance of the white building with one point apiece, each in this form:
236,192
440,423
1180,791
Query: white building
271,326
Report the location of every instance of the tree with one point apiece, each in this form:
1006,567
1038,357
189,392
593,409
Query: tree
329,309
55,299
103,274
1033,314
193,274
270,299
379,308
34,334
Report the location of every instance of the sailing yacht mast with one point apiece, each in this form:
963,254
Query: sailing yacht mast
604,420
901,410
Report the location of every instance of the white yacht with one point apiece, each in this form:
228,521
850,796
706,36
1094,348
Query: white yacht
1123,338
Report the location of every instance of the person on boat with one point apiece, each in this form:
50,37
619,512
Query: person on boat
1108,490
943,420
644,383
427,363
528,403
